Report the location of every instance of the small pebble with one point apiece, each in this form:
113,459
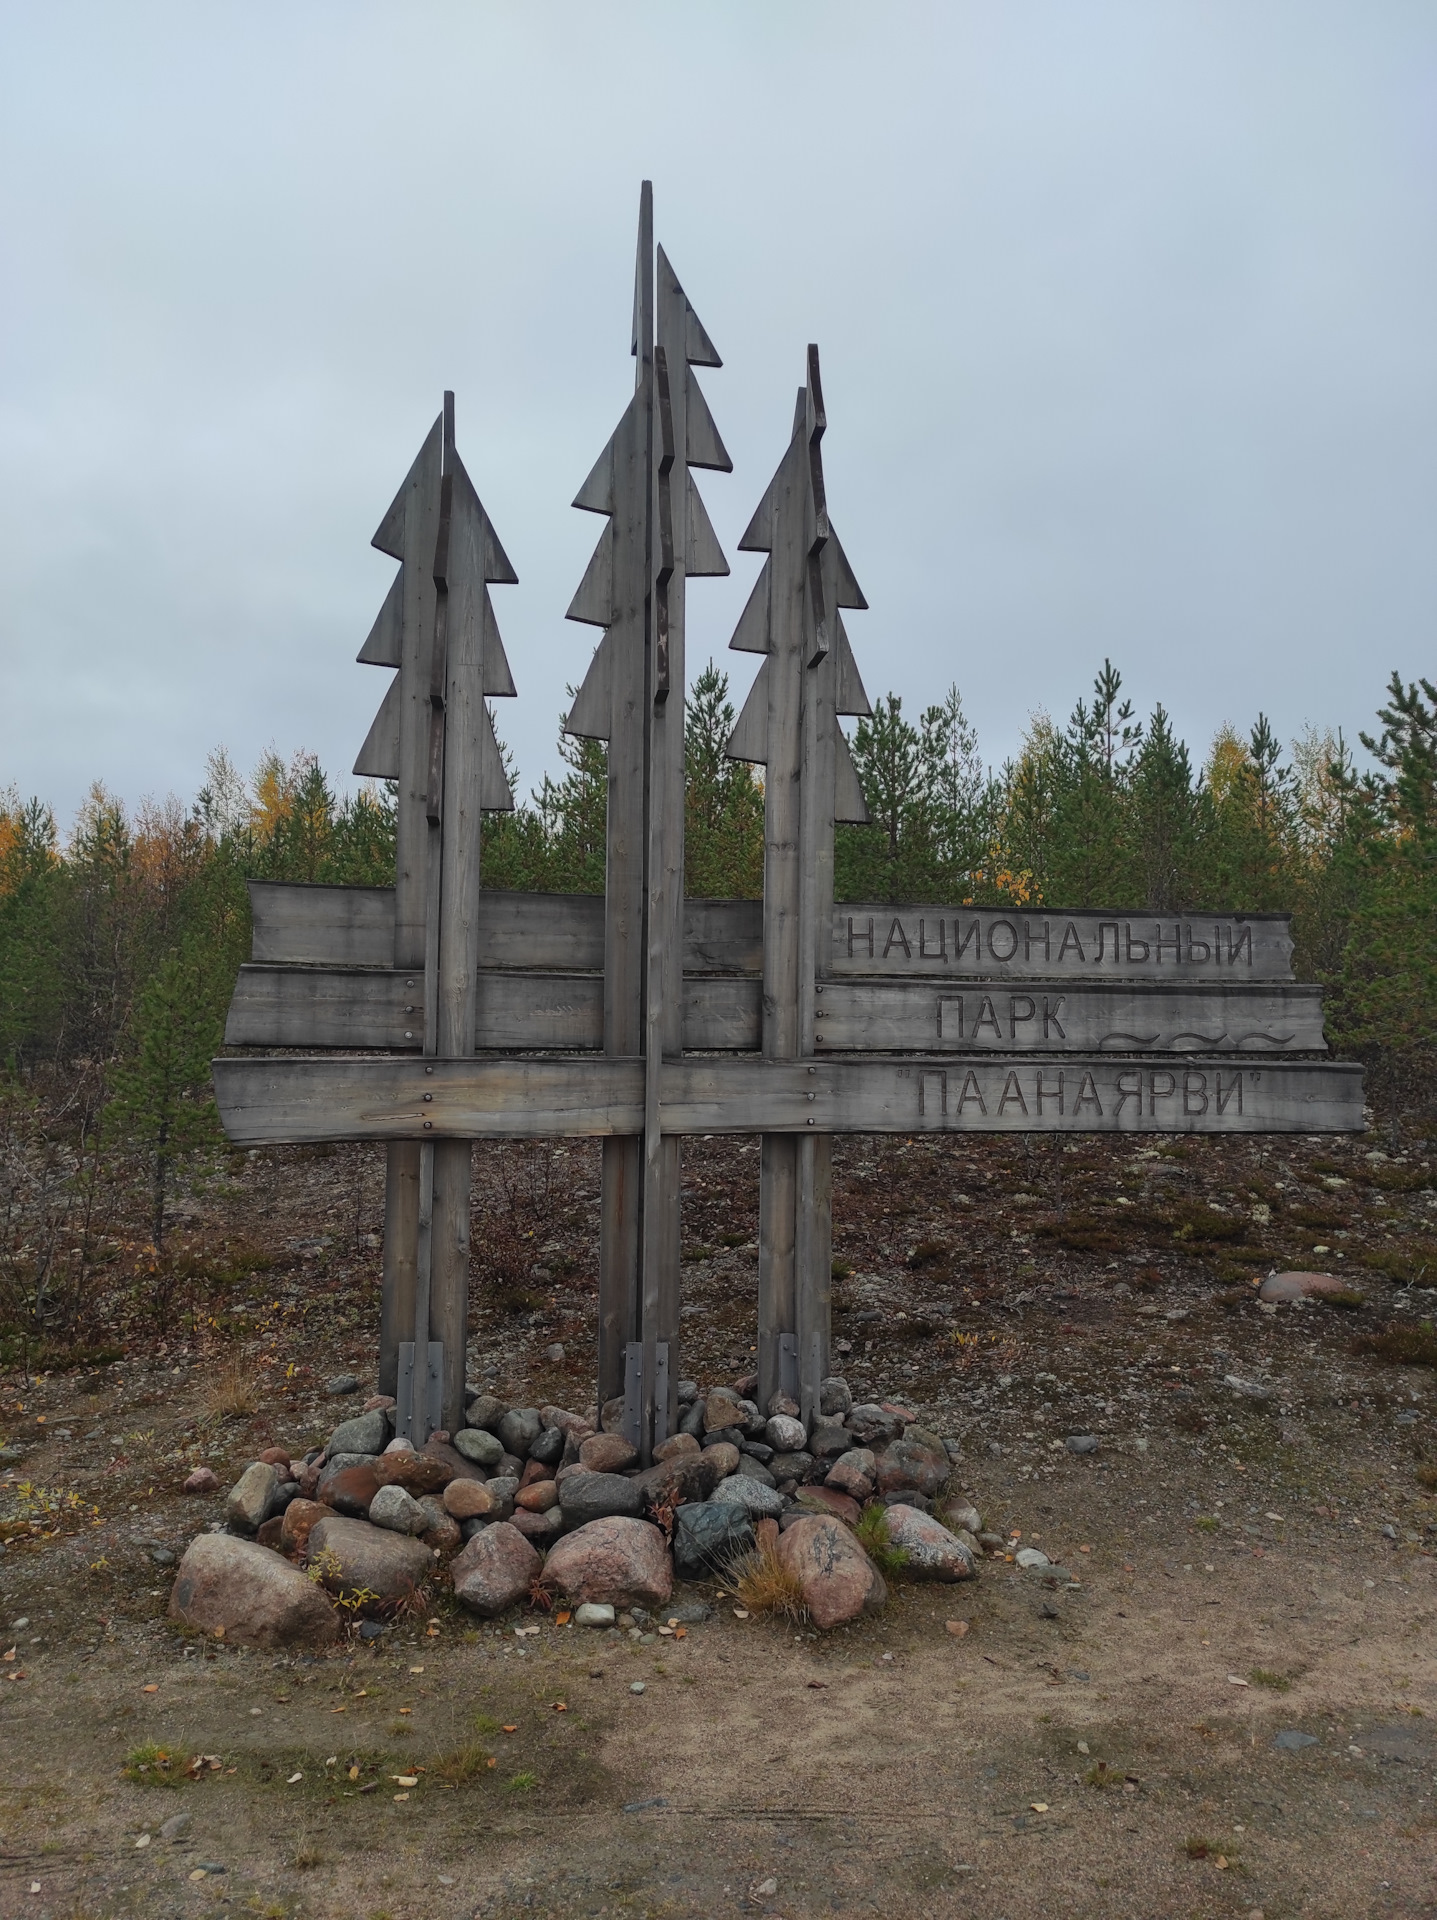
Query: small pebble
636,1686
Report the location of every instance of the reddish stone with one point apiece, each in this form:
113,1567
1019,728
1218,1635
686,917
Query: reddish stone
685,1476
417,1473
839,1581
449,1456
534,1470
676,1444
537,1497
607,1453
202,1480
495,1570
268,1535
378,1403
831,1500
275,1457
350,1491
468,1499
933,1552
619,1561
256,1598
765,1534
295,1522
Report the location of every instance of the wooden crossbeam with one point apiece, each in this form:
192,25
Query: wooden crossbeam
316,1007
266,1101
302,924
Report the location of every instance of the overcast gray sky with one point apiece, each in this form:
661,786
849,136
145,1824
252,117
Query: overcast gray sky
1128,317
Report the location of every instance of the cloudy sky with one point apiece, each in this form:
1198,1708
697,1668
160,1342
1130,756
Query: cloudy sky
1128,316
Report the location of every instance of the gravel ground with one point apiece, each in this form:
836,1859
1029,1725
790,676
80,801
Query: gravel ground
1277,1533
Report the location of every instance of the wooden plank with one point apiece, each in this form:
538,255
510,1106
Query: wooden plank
329,1007
1016,1094
295,924
266,1100
314,1007
1048,943
1047,1017
311,925
263,1100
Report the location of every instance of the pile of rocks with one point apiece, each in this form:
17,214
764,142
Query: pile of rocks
528,1495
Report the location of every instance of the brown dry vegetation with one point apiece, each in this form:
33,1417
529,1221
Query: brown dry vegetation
893,1768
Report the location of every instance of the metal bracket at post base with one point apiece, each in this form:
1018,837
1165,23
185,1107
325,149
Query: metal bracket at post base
416,1417
633,1392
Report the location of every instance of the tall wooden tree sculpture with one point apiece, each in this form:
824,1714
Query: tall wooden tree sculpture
434,737
789,724
658,535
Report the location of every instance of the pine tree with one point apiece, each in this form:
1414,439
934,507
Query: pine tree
162,1105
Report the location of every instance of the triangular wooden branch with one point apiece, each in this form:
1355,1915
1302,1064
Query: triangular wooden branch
758,535
749,739
703,446
848,801
751,634
594,601
849,593
850,696
592,715
699,350
703,556
389,536
498,680
381,649
494,794
379,756
597,493
497,570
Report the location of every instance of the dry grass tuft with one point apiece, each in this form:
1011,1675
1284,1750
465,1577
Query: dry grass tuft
469,1762
233,1392
761,1582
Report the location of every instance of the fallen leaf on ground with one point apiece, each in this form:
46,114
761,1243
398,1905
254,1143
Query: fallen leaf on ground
1037,1806
509,1729
149,1689
294,1779
1234,1680
956,1627
405,1779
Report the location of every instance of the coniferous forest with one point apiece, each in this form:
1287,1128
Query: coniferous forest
119,939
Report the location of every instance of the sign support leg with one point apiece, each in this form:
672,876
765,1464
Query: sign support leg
401,1230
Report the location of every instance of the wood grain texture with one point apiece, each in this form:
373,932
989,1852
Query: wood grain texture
1020,944
265,1100
299,924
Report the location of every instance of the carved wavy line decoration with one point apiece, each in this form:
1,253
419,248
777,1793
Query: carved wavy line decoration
1266,1039
1203,1039
1130,1039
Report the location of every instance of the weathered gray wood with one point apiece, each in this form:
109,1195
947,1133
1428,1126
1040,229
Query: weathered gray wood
299,924
309,925
325,1007
1049,943
266,1100
1052,1016
319,1007
1064,1094
467,558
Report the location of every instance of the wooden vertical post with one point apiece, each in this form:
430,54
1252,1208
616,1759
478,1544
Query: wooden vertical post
398,749
633,697
790,724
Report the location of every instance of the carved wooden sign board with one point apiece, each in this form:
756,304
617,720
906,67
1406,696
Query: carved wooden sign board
435,1012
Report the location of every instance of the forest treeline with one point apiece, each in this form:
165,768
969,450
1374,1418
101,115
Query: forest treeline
119,941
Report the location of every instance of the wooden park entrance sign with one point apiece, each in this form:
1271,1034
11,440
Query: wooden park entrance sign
457,1013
